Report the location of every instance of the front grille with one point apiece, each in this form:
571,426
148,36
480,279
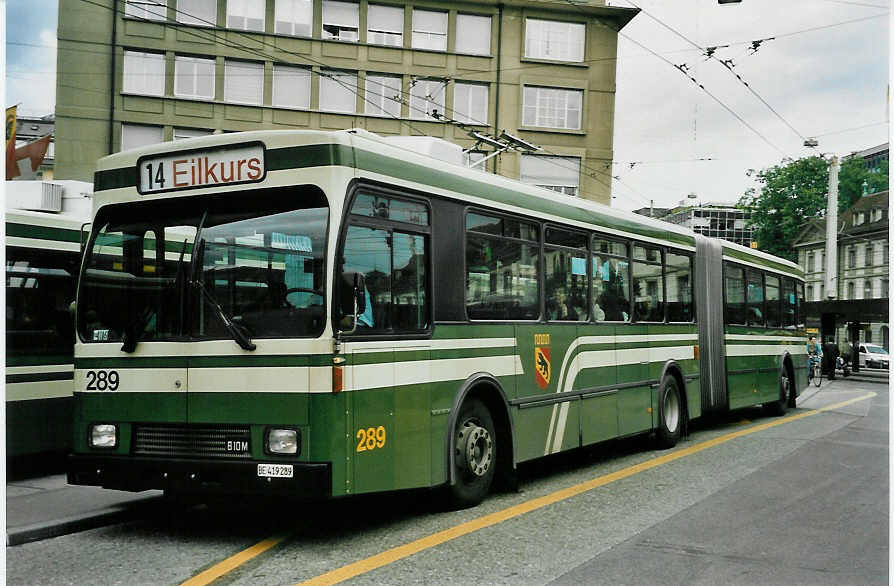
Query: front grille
192,441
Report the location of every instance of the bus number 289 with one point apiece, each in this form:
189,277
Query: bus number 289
102,380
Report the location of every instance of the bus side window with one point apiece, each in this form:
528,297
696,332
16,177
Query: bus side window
789,303
566,275
755,297
611,280
648,285
678,275
734,282
774,315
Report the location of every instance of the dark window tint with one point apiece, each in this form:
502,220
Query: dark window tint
394,267
735,295
611,289
502,278
774,316
39,290
566,238
508,227
678,275
388,208
755,297
566,285
610,247
801,312
648,285
789,303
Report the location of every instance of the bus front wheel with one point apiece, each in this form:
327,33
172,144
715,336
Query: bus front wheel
474,454
670,413
780,406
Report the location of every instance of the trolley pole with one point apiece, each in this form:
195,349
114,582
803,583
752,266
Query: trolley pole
832,231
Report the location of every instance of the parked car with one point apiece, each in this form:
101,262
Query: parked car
873,356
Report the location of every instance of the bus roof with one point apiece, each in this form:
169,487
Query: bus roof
374,157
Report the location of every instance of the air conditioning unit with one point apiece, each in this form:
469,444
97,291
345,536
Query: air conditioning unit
38,196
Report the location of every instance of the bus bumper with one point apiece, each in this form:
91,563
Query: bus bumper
309,480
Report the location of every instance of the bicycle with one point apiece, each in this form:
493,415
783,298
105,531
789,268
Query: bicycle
814,372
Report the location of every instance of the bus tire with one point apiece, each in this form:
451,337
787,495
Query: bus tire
475,455
780,406
670,413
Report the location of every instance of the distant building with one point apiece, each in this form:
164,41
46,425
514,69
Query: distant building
863,269
137,72
717,220
874,157
30,128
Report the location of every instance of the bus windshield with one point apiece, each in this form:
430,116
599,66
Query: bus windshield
240,265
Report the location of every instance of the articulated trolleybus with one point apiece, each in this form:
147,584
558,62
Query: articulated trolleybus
321,314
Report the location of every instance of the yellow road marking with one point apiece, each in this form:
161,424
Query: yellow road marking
392,555
233,562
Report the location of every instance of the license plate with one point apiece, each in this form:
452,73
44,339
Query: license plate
275,470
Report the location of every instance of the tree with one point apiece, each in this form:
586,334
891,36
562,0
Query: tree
794,192
855,179
790,194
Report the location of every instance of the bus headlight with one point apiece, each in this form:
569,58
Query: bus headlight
103,435
283,441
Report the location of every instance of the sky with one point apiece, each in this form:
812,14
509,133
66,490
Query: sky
671,138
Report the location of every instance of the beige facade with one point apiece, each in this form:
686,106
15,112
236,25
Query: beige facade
134,72
863,259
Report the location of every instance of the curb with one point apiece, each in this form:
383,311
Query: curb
74,524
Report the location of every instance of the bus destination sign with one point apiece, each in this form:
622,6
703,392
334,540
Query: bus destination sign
202,168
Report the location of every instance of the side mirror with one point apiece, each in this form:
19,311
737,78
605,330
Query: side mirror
352,294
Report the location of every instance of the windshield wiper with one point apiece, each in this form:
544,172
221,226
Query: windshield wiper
236,331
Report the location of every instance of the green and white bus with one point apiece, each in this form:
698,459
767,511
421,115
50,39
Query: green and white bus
42,263
321,314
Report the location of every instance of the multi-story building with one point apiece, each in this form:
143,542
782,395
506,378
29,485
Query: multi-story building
133,72
863,266
31,128
717,220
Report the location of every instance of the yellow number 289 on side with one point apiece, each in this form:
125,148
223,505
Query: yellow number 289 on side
370,438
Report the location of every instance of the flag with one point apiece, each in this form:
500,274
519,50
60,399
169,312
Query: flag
35,151
10,139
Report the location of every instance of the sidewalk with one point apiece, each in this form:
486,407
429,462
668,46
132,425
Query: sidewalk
40,508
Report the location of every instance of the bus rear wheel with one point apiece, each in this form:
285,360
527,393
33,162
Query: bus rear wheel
785,387
474,454
670,413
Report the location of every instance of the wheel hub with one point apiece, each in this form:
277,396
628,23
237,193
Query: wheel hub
474,447
671,411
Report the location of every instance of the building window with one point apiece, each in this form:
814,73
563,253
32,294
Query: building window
194,77
552,107
810,292
429,30
811,259
294,18
144,73
383,95
560,174
385,25
148,9
884,288
184,133
851,290
197,12
341,21
338,91
247,15
868,261
291,87
867,289
557,41
244,82
852,257
470,103
473,34
134,136
427,99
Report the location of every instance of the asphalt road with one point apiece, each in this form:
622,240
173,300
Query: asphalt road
748,500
